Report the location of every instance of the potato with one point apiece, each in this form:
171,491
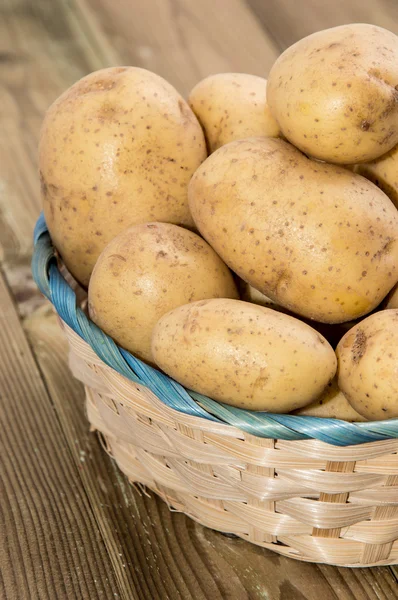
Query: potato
232,106
332,404
242,354
249,294
392,298
383,171
334,93
116,149
146,271
367,366
331,332
315,238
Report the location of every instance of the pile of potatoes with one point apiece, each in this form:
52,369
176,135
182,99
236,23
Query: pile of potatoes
244,242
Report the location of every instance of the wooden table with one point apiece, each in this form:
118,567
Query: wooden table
73,527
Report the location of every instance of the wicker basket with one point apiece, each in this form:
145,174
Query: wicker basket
317,490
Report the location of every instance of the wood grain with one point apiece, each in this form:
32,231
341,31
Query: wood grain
184,40
43,50
51,544
287,21
74,527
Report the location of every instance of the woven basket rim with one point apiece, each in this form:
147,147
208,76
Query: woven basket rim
267,425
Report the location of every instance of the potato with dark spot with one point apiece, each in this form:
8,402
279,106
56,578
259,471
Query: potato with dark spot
146,271
331,332
332,404
242,354
232,106
368,365
116,149
334,93
383,172
315,238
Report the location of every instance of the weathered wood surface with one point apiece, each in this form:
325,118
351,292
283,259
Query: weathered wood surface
74,527
51,546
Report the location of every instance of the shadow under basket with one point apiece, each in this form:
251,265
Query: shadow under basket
317,490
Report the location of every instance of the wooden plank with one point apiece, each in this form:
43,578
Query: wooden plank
287,21
51,544
43,50
166,554
44,46
183,40
394,569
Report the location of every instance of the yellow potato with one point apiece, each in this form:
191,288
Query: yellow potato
317,239
383,172
392,298
334,93
332,404
146,271
242,354
331,332
232,106
249,294
367,366
116,149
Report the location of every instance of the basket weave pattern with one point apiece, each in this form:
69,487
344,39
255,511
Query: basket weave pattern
304,499
318,490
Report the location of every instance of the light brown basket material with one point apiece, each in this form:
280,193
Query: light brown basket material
304,499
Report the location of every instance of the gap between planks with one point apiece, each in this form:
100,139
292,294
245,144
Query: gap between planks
49,530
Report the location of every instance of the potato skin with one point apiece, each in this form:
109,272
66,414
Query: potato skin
116,149
383,172
392,298
242,354
331,332
332,404
334,93
367,366
146,271
315,238
249,294
232,106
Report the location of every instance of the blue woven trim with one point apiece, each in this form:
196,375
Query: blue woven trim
266,425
